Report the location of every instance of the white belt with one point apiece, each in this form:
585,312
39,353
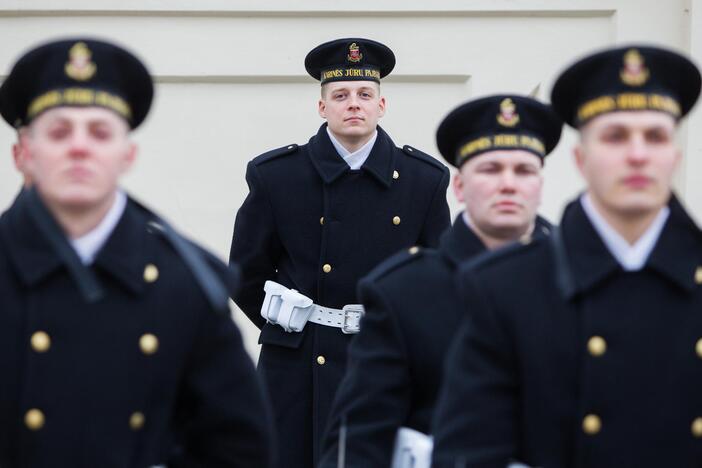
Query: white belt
292,310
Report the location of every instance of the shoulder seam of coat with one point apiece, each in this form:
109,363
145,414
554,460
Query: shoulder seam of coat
275,153
422,156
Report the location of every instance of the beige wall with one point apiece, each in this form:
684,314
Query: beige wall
231,84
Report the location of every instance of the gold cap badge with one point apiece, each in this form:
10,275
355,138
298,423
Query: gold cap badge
634,72
355,54
508,116
80,66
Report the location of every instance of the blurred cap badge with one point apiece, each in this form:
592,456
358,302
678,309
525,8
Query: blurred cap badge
80,66
634,73
508,116
355,54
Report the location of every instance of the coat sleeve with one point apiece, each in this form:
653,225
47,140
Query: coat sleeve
374,397
255,246
222,416
438,218
476,414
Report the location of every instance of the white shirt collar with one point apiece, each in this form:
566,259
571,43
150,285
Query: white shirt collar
630,257
88,245
356,159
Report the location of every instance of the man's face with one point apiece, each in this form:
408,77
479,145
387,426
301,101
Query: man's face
352,108
75,156
501,191
628,160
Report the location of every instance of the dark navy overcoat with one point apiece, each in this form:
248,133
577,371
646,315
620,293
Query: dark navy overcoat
567,360
313,224
149,374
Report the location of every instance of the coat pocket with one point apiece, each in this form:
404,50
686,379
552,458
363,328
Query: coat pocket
275,335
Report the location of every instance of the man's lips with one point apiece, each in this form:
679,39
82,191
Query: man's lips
79,172
506,205
637,181
354,119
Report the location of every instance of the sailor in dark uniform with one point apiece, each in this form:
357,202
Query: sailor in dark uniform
412,308
585,349
117,348
318,217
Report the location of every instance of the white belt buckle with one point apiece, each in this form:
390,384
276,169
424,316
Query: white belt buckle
352,312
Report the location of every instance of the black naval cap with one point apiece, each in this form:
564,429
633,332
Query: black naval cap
631,78
350,59
76,72
496,123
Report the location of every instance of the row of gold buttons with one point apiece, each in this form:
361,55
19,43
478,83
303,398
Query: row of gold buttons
396,220
592,424
34,419
41,342
327,268
597,346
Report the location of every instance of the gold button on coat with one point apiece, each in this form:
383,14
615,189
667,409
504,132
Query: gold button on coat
395,175
326,268
150,273
136,420
697,428
41,342
321,220
148,343
592,424
597,346
321,360
396,220
698,275
698,348
413,250
34,419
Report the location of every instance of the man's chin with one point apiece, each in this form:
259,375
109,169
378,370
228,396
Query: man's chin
636,205
509,227
77,200
355,130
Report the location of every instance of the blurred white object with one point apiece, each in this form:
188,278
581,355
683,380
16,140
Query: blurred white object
412,449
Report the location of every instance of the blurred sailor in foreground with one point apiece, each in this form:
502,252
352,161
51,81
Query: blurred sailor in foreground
585,349
117,348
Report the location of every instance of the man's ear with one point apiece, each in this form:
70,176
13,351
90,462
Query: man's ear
457,185
382,105
20,150
579,156
130,156
678,157
17,155
322,108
